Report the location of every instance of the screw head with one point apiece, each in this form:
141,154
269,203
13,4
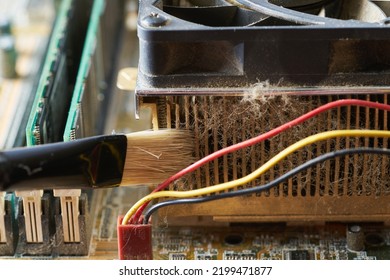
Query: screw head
154,20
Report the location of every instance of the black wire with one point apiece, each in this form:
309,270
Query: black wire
269,185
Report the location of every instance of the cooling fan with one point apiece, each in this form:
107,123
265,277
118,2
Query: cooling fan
231,70
226,47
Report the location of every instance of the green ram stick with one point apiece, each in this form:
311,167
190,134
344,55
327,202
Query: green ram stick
55,88
90,96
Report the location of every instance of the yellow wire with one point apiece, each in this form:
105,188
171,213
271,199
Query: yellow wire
268,165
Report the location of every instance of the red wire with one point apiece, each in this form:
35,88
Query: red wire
260,138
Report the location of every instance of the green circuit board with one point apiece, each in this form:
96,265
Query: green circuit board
271,241
56,83
95,71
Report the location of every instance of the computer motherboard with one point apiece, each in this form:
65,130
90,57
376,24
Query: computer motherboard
203,240
227,71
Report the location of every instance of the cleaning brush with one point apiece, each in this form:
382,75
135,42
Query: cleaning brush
140,158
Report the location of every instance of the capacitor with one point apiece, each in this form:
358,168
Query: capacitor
7,57
5,26
355,238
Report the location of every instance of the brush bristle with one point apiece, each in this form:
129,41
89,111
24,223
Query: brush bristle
153,156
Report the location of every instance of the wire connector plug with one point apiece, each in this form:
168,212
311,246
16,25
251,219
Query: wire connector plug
134,241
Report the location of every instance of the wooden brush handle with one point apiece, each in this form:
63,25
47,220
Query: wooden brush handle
85,163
